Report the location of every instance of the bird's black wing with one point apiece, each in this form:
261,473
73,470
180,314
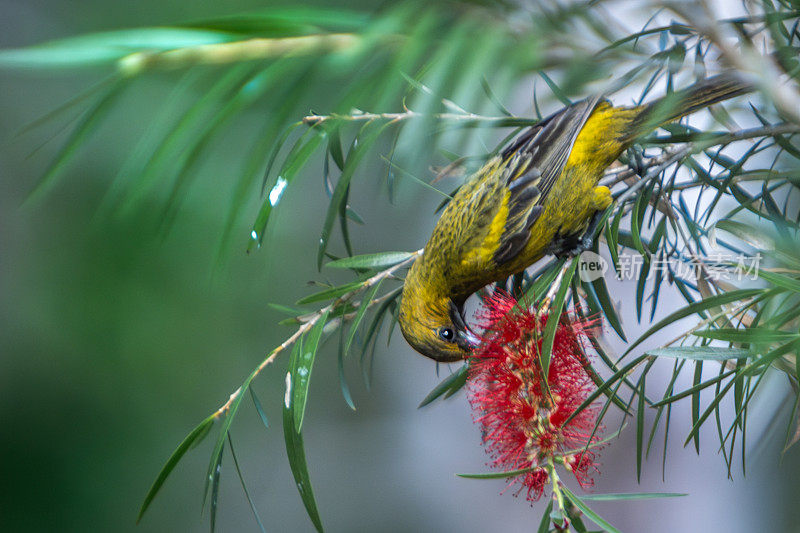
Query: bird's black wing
531,165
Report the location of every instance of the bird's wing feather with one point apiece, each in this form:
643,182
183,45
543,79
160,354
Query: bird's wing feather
532,164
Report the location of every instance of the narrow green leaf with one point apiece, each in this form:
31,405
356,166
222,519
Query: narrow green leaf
173,150
612,239
335,147
51,115
621,373
640,286
395,316
538,287
738,389
348,398
575,520
375,261
707,303
631,496
487,89
701,353
692,390
698,376
554,316
750,335
587,291
499,475
797,366
728,458
248,91
544,525
794,423
779,280
343,222
636,222
784,143
420,181
676,369
748,233
640,426
89,122
217,473
590,514
287,310
297,462
710,409
371,338
598,380
286,21
769,357
365,142
301,370
331,293
275,193
666,441
557,92
601,442
244,485
657,284
449,385
106,47
297,158
259,408
362,309
212,475
601,292
191,440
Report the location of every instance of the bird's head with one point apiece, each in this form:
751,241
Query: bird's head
434,325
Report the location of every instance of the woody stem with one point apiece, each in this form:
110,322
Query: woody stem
558,496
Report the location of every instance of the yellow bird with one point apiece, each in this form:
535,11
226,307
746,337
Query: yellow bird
539,196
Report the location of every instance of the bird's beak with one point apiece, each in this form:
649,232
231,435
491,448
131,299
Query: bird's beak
468,339
465,337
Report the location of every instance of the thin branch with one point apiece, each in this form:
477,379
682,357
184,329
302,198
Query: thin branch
699,146
235,52
361,116
748,61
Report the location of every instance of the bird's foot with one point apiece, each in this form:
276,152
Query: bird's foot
574,245
584,243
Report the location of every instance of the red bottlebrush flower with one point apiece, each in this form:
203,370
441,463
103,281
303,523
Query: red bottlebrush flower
524,427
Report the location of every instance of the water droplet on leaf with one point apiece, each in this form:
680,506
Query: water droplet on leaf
277,191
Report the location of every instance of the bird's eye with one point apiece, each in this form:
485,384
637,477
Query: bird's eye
447,334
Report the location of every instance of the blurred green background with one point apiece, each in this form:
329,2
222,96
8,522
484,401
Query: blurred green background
118,337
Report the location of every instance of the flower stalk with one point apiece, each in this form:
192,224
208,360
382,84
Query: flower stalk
558,497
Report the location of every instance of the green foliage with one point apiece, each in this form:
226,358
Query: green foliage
419,85
191,440
448,387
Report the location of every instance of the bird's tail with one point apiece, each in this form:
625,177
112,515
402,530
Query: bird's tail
685,102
